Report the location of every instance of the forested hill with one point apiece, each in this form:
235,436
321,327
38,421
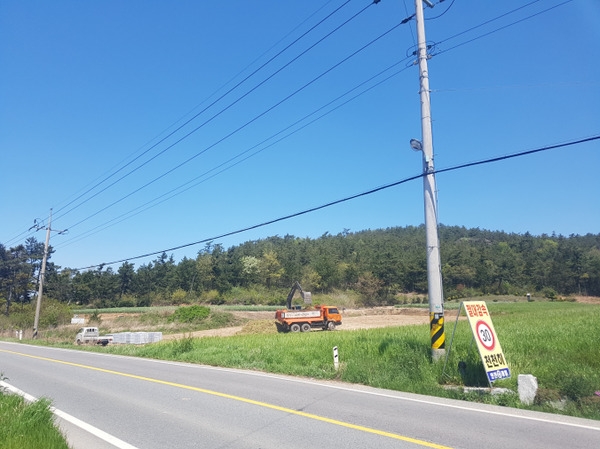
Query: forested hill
377,264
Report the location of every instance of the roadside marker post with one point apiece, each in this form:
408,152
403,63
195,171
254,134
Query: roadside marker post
336,359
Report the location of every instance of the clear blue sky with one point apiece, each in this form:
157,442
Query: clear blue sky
86,87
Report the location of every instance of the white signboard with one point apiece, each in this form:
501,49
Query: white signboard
488,344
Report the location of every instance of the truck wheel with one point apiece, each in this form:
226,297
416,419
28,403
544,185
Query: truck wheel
295,327
331,326
305,327
79,342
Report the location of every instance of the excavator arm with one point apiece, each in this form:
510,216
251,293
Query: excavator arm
306,296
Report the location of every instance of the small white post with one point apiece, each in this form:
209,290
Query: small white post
336,359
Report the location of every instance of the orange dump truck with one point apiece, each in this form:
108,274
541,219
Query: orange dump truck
321,317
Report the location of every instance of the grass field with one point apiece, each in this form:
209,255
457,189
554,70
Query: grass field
26,425
557,342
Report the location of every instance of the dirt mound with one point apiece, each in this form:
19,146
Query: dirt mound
352,319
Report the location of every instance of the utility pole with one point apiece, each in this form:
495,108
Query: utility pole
434,267
41,281
42,276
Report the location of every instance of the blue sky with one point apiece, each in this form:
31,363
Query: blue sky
89,90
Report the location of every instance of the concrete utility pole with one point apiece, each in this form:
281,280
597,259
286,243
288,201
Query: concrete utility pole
42,275
434,267
38,305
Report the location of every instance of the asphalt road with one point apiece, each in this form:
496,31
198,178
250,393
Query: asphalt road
149,404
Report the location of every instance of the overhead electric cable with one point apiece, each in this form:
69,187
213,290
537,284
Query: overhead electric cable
368,192
502,27
412,33
454,36
184,124
234,131
287,47
445,11
212,104
489,21
178,190
96,184
16,237
404,21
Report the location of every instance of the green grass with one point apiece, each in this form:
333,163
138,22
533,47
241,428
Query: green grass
126,310
28,425
557,342
158,319
243,308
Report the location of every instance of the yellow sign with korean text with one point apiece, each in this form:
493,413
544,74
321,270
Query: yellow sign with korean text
487,340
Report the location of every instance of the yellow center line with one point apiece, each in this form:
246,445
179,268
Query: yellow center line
241,399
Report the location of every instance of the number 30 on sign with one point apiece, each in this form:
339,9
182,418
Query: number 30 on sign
487,341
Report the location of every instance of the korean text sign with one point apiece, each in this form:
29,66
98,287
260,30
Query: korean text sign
487,340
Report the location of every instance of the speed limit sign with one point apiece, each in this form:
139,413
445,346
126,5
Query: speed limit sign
485,335
488,344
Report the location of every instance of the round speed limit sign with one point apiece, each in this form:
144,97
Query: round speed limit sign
485,335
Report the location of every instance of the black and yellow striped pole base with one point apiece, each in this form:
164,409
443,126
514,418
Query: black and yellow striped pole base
438,336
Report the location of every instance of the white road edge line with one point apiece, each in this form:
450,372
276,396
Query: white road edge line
120,444
520,414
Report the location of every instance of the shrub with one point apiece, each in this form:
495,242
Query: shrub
95,317
181,346
211,297
54,313
549,293
190,314
127,301
144,301
545,395
22,318
179,296
576,387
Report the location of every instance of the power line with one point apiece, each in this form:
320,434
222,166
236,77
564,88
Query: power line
445,11
106,177
97,184
500,28
352,197
221,171
212,104
489,21
177,191
214,116
230,134
470,29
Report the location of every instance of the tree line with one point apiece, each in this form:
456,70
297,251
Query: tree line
376,264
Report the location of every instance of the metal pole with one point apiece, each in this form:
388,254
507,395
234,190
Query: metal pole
41,282
434,271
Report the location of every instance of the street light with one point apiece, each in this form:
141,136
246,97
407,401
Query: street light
416,145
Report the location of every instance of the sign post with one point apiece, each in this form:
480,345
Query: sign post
487,341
